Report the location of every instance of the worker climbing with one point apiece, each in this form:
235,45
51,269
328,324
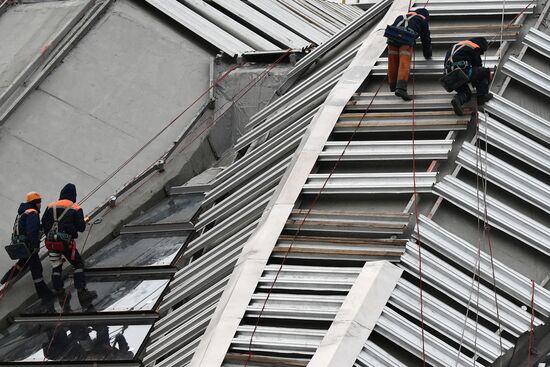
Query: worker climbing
463,66
402,35
62,221
25,244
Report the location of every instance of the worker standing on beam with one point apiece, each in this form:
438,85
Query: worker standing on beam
62,221
26,235
463,66
402,35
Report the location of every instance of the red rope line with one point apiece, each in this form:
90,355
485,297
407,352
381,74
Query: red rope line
416,213
312,206
4,289
531,329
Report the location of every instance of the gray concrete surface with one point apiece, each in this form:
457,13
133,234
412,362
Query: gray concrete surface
123,82
26,29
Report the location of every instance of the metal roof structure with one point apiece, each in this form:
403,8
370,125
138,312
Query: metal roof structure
352,228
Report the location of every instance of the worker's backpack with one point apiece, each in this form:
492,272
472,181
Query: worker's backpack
18,248
457,73
401,34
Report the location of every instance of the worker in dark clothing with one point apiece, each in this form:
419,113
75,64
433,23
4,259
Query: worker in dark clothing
62,221
415,24
26,230
466,55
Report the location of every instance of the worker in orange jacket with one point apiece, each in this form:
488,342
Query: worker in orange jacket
414,24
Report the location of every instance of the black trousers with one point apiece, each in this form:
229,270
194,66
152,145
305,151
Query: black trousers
480,80
32,261
57,263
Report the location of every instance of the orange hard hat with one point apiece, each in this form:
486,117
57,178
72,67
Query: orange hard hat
32,196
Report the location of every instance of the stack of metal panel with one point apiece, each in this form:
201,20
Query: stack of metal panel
240,27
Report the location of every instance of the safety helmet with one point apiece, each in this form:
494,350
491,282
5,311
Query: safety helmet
32,196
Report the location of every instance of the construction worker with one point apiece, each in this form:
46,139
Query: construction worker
62,220
26,230
402,35
466,56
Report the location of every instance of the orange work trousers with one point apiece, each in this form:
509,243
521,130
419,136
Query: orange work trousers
399,63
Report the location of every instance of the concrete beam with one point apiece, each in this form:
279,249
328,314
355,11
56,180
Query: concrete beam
358,315
256,252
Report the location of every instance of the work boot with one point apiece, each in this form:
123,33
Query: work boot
481,100
401,90
457,105
392,87
43,291
85,297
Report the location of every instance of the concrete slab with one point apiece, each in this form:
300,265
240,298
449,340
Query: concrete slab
124,81
26,29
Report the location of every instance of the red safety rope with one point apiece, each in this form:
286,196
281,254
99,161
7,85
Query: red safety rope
4,289
311,207
416,213
531,329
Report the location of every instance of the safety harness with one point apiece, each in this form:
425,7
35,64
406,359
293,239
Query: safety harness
401,34
57,240
457,73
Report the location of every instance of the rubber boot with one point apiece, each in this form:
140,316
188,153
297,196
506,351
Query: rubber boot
401,90
85,297
457,105
481,100
392,87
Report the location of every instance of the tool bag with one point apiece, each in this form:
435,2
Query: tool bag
18,248
55,239
456,72
454,80
401,34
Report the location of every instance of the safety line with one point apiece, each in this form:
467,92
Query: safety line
4,289
416,213
312,206
531,328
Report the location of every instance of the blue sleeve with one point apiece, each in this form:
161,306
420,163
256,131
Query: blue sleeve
33,230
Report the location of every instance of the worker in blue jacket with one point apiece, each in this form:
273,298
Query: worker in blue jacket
466,55
400,54
26,230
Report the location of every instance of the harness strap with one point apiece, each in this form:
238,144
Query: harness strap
408,17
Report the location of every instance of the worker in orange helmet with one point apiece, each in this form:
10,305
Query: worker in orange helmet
402,35
26,236
62,221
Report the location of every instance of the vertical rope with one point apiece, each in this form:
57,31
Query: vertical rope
416,214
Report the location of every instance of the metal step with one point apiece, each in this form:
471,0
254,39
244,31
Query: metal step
503,217
459,286
464,254
387,101
338,248
385,150
369,183
457,32
309,278
538,41
337,223
294,306
476,7
400,121
527,75
504,175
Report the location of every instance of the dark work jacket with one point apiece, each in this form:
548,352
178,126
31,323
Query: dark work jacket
422,28
467,53
29,224
71,223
